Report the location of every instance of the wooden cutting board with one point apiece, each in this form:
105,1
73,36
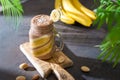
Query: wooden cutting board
57,63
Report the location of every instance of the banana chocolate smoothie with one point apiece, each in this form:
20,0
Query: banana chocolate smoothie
41,37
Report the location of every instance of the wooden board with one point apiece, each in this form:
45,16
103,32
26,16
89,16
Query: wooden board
56,64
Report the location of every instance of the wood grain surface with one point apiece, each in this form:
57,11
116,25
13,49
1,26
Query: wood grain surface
45,67
79,46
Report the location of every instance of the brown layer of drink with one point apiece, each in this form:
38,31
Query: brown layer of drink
40,25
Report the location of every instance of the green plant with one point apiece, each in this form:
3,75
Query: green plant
12,9
108,13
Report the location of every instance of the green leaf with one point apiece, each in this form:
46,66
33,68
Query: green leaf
12,9
116,60
109,12
102,20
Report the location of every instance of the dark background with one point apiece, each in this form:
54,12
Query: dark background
79,46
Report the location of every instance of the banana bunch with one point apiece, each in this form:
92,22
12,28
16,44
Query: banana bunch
73,10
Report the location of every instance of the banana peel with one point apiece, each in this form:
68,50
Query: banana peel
77,15
58,4
66,18
73,10
85,10
81,20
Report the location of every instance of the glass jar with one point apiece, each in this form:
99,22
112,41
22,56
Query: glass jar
42,37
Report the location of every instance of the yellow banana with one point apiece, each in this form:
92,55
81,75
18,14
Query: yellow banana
58,4
64,17
55,15
44,49
34,43
77,15
85,10
80,20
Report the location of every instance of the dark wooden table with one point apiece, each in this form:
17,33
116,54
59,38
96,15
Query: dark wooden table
79,46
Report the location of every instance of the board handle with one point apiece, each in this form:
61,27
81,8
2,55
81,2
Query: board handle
61,73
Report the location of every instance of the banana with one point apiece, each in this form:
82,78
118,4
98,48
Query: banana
58,4
80,20
34,43
55,15
44,49
76,14
85,10
64,17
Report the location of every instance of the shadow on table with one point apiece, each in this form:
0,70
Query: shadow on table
98,70
6,75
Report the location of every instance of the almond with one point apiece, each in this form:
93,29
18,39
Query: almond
23,66
85,69
20,78
36,77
